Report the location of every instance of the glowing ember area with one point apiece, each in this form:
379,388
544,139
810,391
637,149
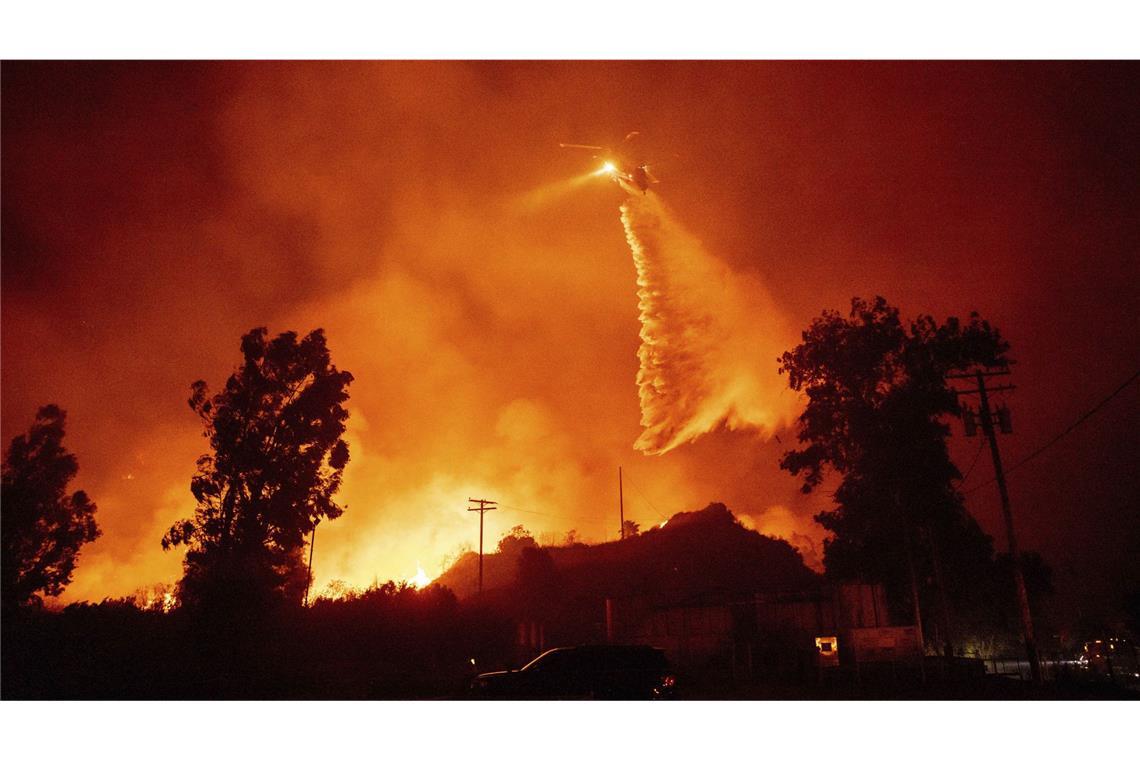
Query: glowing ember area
607,168
337,589
158,600
709,337
420,579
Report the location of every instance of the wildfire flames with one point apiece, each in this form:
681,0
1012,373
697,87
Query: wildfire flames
161,600
420,579
709,337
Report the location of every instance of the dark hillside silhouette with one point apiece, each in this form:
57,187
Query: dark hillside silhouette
700,552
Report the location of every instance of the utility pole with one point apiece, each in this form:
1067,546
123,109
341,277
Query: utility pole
312,545
904,518
481,509
986,418
621,505
936,560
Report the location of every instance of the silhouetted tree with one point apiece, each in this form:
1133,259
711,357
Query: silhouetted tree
515,540
876,395
630,528
43,528
277,461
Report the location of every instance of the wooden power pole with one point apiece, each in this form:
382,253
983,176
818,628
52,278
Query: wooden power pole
312,545
621,505
481,509
986,418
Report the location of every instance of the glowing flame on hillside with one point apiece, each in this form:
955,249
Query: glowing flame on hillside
157,599
420,579
709,337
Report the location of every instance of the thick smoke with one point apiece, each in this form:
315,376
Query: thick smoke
492,359
709,337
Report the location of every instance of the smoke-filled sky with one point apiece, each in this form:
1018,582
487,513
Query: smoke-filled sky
480,287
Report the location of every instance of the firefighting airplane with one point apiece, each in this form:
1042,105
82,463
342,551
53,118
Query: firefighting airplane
634,178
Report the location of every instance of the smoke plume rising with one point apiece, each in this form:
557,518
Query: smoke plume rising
421,213
709,337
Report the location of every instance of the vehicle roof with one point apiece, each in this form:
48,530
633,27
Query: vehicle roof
619,652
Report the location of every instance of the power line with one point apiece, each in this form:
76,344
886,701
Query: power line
1072,427
1080,420
573,521
645,498
977,456
563,518
528,511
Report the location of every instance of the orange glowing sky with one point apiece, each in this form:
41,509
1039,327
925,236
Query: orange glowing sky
484,297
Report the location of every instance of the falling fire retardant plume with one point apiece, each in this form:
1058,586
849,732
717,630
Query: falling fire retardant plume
709,337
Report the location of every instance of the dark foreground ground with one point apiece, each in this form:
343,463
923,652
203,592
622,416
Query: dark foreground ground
408,647
985,688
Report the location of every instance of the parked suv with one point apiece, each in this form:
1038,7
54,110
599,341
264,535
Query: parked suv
585,672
